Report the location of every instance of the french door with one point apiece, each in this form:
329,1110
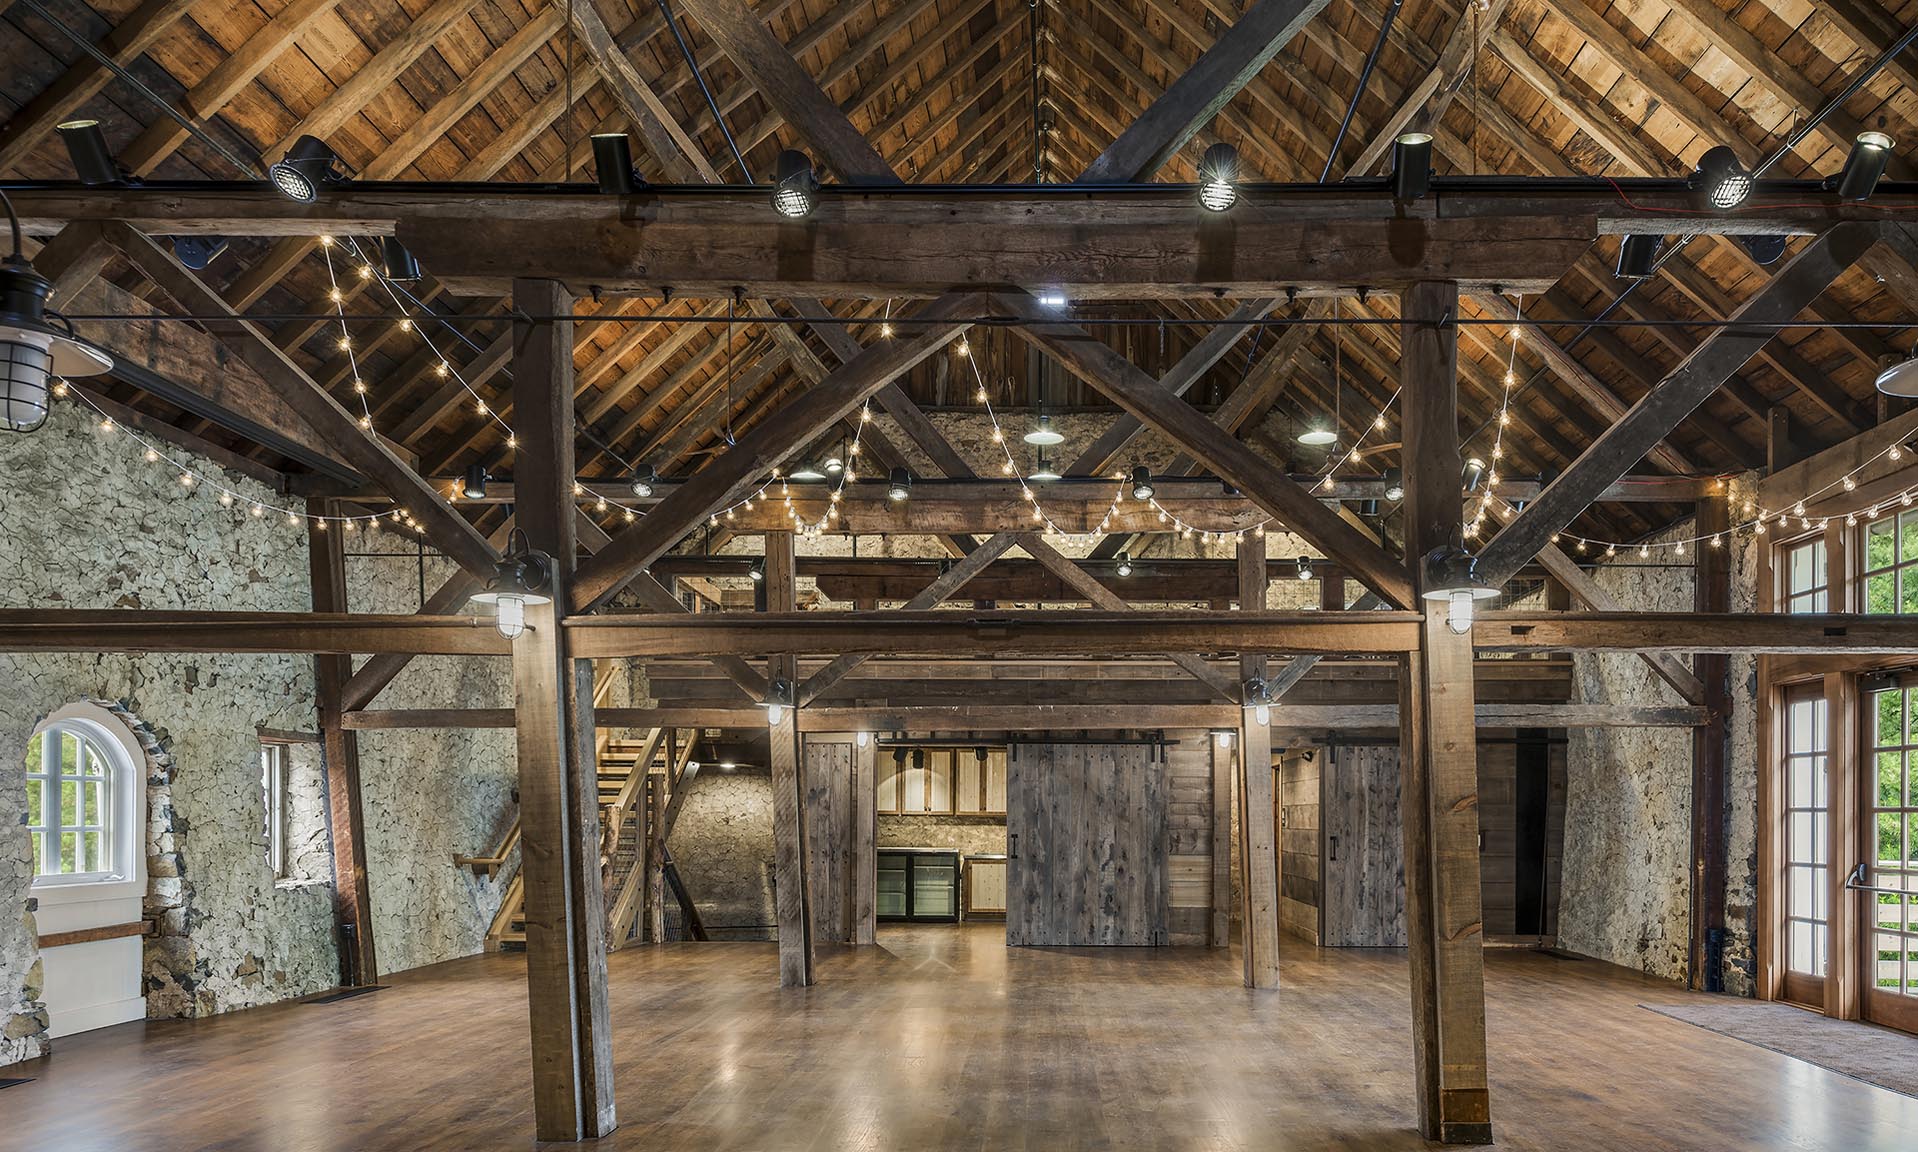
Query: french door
1807,842
1888,876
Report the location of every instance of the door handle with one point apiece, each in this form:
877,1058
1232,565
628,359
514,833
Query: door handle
1334,855
1012,847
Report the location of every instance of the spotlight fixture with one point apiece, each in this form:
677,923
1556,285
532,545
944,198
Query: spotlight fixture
1125,564
779,698
92,160
758,572
1720,180
834,465
1638,255
795,188
1472,473
808,473
1864,164
1218,178
1259,699
396,263
1053,300
613,164
305,167
1394,484
1142,488
1044,471
31,350
644,478
1318,436
1411,165
1044,435
473,487
521,577
1451,576
1303,568
1900,379
899,485
196,252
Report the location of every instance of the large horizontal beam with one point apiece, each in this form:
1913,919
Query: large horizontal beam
924,241
1729,632
137,630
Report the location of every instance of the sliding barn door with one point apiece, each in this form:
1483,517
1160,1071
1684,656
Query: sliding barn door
1363,890
1086,837
829,814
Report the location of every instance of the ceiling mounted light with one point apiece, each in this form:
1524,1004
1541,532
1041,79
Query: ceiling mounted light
92,160
1259,699
1303,568
1043,435
473,486
1451,576
1901,379
521,577
1219,178
1142,488
899,485
31,350
1394,484
1045,470
307,166
396,263
644,478
1318,436
808,473
196,252
834,465
1411,165
613,164
1053,300
1864,164
795,188
1472,472
1720,180
779,700
1638,255
1125,564
758,571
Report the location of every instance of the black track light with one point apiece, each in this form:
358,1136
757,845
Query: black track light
1394,484
1720,181
1125,564
795,187
1219,178
1142,488
1765,247
613,163
307,166
473,486
196,252
899,485
1411,165
1302,568
644,478
758,572
87,147
1472,473
1870,152
396,263
1638,255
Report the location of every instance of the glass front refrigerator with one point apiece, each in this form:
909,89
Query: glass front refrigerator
919,886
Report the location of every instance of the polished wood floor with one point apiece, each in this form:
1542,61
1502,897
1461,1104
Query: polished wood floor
944,1038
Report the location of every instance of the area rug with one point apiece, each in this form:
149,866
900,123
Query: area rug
1861,1051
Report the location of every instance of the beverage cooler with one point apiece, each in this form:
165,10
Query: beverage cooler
918,884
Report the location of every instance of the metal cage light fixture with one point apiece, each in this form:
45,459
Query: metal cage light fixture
32,351
1451,577
521,577
306,167
795,186
1218,178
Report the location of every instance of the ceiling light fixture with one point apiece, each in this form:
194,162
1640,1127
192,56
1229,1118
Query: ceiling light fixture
1472,472
521,577
1900,379
1318,436
1218,178
93,161
758,571
779,699
473,487
1864,164
613,164
1125,564
1044,435
1411,165
1259,699
396,263
795,187
1303,566
196,252
1720,180
644,478
807,473
899,485
1451,576
1044,471
1394,484
307,166
1638,255
31,350
1142,487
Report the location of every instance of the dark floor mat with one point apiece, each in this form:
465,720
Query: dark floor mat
1848,1047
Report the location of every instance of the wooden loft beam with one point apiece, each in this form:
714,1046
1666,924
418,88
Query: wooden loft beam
448,530
668,144
765,447
1660,410
750,45
1424,104
1142,397
127,630
1198,95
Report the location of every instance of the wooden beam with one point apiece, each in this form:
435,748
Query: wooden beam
749,44
565,906
678,156
1444,920
352,892
1683,389
1197,96
764,448
792,901
1424,103
140,630
1140,395
448,530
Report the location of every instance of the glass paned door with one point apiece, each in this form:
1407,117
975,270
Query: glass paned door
1891,859
1807,815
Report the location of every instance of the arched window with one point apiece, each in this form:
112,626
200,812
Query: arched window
83,810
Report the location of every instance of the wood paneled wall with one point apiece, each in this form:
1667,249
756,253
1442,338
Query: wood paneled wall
1189,839
1299,842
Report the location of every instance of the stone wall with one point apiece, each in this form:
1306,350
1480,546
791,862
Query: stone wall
968,835
722,845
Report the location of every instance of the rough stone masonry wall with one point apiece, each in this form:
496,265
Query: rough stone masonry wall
723,847
86,522
1626,889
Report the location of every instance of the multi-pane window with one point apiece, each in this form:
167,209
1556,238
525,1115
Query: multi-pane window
1894,825
1807,833
1803,565
70,803
1891,563
942,780
273,790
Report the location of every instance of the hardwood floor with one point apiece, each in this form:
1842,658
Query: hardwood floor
944,1038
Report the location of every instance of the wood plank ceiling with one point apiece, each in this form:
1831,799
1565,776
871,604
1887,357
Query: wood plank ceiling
994,91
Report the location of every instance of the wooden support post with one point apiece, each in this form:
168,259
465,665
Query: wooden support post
352,902
793,903
1258,835
865,840
559,801
655,857
1438,781
1711,592
1220,935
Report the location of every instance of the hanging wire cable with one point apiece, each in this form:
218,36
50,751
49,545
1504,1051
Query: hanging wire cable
699,78
1358,90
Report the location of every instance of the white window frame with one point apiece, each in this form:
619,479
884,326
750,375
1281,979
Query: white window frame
275,767
125,823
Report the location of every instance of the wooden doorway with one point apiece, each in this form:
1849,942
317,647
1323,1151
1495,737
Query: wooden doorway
1086,845
1887,879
